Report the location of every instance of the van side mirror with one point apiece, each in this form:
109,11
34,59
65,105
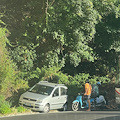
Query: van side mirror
54,95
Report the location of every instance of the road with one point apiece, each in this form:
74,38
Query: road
69,115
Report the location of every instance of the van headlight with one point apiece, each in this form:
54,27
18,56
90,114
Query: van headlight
39,101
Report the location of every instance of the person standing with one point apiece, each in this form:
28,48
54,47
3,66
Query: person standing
88,89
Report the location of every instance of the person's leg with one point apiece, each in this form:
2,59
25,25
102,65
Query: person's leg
89,105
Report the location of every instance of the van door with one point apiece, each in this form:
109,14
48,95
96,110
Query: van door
63,95
55,102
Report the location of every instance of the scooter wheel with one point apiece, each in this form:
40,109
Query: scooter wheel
75,106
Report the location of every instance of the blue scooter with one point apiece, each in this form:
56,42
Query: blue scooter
82,104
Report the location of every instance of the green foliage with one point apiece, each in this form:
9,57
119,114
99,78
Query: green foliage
77,82
20,84
63,78
24,57
106,7
74,39
107,35
62,33
4,106
57,41
103,79
21,109
10,82
76,31
52,74
79,79
7,73
44,72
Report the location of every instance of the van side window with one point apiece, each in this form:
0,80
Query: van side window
56,92
63,91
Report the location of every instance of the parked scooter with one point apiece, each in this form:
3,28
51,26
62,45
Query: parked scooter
79,104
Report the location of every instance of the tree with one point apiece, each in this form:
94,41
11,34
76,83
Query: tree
54,41
8,74
67,34
23,19
71,25
6,67
107,40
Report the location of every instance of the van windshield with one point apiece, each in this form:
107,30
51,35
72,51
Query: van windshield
41,89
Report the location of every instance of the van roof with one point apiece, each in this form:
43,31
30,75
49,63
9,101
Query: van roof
50,84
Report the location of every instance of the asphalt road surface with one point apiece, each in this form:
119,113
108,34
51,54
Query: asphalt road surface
79,115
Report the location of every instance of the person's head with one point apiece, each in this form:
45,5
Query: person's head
87,81
98,83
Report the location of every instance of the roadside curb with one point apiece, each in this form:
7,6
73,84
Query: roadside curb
26,113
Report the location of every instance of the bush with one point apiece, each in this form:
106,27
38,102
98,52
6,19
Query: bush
21,109
77,82
4,106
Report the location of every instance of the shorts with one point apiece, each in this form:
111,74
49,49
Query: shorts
87,97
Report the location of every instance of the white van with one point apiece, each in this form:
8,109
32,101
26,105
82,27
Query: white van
45,96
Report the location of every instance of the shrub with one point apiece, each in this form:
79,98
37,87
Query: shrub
4,106
21,109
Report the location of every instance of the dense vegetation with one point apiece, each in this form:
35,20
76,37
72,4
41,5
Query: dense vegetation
63,41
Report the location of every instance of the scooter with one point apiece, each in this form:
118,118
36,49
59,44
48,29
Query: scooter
79,104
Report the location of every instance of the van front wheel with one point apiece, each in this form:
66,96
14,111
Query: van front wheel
46,108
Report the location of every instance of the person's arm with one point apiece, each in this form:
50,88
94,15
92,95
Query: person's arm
86,89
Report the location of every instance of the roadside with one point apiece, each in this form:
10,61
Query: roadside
26,113
107,91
